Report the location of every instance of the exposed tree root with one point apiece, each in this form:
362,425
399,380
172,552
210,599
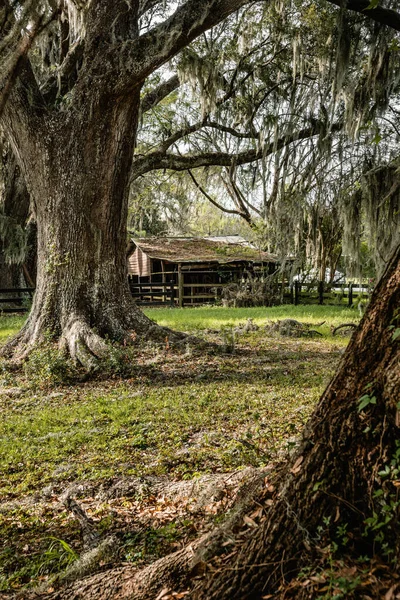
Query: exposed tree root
87,348
344,326
174,570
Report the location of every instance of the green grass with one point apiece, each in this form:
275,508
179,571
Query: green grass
216,317
179,415
9,325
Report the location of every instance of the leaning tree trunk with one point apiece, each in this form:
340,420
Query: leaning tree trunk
332,476
79,181
335,473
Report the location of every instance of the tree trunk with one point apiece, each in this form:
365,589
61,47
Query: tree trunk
333,476
79,183
335,473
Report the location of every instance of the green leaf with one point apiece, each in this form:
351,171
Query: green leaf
373,4
365,401
396,334
377,138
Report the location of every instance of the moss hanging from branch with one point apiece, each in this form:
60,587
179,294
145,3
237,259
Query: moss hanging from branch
372,212
14,240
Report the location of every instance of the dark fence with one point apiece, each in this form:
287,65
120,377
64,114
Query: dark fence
181,293
14,300
154,292
171,293
323,293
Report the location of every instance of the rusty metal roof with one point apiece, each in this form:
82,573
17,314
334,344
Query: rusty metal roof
201,250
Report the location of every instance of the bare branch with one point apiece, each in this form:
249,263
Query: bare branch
244,215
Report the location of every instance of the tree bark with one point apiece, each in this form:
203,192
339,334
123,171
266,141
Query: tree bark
336,470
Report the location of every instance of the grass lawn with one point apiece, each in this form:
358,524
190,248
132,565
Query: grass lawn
215,317
178,416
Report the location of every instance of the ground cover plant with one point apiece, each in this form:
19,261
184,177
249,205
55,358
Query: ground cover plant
177,417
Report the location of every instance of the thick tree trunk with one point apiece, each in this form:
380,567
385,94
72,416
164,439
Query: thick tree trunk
79,183
333,476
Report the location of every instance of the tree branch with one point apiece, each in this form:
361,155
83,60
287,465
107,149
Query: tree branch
17,65
243,215
159,93
146,5
143,55
161,160
385,16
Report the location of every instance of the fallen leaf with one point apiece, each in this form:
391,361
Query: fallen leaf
250,522
390,593
296,467
163,593
337,517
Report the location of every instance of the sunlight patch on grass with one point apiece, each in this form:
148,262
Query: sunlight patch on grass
217,317
10,325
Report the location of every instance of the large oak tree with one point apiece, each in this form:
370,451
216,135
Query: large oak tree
74,137
74,140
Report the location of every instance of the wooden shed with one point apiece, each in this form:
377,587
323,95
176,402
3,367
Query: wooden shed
190,270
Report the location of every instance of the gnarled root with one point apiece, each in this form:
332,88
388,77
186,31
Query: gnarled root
84,345
173,571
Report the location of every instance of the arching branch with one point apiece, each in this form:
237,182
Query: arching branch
162,160
142,56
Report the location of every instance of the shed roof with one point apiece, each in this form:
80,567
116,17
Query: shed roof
202,250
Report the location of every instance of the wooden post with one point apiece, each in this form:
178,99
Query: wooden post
320,292
164,289
297,290
172,292
180,286
350,295
292,293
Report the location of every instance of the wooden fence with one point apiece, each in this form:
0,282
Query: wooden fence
170,293
14,299
322,293
188,294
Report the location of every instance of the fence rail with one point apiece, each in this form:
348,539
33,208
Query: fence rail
171,293
13,299
182,293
